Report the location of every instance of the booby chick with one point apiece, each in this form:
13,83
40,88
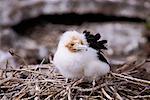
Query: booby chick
79,55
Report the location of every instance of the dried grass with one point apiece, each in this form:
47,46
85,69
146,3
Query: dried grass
45,83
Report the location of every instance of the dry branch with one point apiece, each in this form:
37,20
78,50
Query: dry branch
42,81
123,77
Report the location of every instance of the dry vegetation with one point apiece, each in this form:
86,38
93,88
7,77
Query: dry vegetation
44,82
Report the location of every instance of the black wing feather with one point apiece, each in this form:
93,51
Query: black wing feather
96,44
101,57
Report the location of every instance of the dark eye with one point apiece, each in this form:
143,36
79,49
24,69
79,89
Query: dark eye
72,44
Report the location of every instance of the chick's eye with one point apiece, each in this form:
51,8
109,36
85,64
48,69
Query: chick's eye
72,44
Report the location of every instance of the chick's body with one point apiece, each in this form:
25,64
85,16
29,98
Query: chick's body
78,60
69,65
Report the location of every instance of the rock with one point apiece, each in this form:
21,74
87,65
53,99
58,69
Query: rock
14,11
24,47
123,38
30,50
7,38
6,60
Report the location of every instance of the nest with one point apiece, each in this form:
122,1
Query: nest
45,83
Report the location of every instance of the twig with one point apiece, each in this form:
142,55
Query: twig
16,55
116,94
106,95
126,67
36,72
140,97
94,88
69,93
5,86
148,60
139,65
38,67
8,79
131,78
92,97
37,90
9,93
21,92
59,93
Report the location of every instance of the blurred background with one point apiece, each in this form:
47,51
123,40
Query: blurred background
31,28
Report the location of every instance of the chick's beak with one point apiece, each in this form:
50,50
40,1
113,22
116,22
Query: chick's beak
81,47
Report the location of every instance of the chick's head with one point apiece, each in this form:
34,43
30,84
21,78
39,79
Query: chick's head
73,41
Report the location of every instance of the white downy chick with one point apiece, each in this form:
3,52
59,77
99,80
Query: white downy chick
74,57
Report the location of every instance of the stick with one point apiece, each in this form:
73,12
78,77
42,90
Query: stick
90,89
140,97
130,78
106,95
8,79
36,72
116,93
